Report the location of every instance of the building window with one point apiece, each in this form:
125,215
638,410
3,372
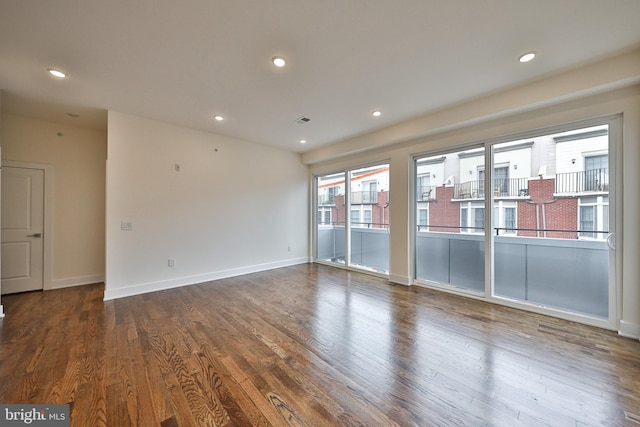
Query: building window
501,181
355,218
587,221
472,217
324,216
505,217
361,216
464,219
332,195
510,220
478,220
367,217
593,221
596,172
596,162
369,192
423,219
423,187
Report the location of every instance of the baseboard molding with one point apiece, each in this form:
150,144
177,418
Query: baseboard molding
401,280
111,294
1,312
76,281
629,330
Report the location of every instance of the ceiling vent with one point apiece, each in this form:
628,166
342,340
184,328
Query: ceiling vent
302,120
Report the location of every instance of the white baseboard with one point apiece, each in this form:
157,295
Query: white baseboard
110,294
401,280
629,330
76,281
1,312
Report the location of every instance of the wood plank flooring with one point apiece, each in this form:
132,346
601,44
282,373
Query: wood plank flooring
310,345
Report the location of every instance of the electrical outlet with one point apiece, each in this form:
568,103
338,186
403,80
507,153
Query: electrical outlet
289,248
126,225
172,262
177,167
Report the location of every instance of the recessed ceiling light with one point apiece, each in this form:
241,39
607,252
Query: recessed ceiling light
56,73
376,113
218,118
527,57
278,61
303,141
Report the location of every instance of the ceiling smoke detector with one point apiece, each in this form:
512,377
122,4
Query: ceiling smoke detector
302,120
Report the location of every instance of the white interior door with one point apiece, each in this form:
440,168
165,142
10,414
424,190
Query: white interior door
22,229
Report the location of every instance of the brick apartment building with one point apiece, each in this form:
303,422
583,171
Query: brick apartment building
567,198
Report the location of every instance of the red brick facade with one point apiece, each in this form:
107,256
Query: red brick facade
379,211
544,211
540,211
443,212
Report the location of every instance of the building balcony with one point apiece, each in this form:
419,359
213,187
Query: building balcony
591,181
326,200
526,269
426,193
502,187
364,197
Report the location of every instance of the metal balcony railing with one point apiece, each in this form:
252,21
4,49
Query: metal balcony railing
326,200
364,197
594,180
502,187
425,193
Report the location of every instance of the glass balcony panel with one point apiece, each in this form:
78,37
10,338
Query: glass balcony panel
369,207
542,272
555,254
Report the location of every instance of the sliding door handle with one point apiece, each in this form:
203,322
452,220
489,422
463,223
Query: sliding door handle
611,241
36,235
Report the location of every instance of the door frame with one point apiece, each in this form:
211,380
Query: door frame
47,244
615,147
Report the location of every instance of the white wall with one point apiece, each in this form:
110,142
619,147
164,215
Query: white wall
234,207
520,157
76,158
578,150
602,89
435,171
471,164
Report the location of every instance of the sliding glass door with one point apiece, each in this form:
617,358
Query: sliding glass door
352,222
450,219
369,225
536,211
331,218
551,248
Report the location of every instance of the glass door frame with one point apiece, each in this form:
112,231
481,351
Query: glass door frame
348,226
614,239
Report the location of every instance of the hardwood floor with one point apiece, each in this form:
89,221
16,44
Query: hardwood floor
310,345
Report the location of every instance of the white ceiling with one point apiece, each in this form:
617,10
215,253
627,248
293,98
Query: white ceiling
184,61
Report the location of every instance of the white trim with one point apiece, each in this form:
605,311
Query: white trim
110,294
76,281
629,330
400,280
615,218
47,247
450,289
1,312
